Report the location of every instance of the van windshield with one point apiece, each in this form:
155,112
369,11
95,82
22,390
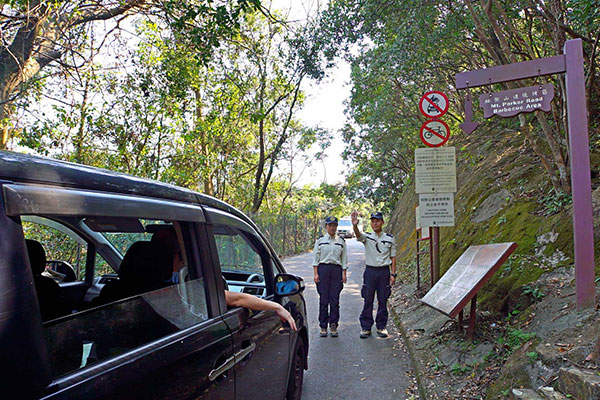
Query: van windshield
345,222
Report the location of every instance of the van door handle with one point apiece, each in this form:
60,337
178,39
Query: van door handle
220,370
240,355
231,361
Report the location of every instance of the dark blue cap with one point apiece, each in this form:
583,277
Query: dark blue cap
331,220
377,214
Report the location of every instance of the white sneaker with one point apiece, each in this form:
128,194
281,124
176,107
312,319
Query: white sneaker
333,329
382,333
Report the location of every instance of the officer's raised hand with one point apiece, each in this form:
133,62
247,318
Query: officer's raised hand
354,217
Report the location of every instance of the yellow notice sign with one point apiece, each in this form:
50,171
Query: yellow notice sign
435,170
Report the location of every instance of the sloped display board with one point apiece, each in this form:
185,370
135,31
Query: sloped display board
466,277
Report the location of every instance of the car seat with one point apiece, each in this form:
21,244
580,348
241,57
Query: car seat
50,299
146,267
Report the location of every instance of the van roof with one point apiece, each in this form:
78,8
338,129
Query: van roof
24,168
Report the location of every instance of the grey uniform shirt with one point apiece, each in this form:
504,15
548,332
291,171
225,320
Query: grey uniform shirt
378,249
330,250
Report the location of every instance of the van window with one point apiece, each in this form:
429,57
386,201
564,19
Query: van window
65,251
240,260
152,292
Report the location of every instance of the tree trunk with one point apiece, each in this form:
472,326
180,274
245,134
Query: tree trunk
42,37
207,176
503,52
4,126
257,198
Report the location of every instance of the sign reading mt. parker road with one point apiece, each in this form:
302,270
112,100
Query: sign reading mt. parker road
509,103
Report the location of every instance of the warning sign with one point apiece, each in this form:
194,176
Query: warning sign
435,170
436,209
435,133
433,104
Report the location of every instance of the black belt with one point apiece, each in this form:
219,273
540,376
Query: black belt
335,265
378,267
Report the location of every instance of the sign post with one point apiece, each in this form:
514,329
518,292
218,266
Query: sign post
570,63
435,174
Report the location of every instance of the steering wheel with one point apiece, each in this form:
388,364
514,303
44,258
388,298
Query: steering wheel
255,278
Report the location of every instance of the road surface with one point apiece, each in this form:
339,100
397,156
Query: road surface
348,367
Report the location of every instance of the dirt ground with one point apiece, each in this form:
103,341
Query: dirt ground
524,349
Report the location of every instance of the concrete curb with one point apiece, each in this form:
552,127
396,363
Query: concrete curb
412,352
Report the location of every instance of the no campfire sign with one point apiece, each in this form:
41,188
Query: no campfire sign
433,104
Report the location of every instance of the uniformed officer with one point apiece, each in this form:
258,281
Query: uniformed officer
380,273
330,265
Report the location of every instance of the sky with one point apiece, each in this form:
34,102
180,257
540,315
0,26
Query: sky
323,105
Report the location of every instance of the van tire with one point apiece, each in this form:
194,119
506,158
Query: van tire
294,389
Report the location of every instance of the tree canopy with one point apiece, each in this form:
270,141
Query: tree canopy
39,33
405,48
205,94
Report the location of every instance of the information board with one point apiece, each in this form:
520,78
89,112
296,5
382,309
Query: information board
466,276
436,209
424,229
435,170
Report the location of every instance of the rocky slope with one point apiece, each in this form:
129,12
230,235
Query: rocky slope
503,196
530,342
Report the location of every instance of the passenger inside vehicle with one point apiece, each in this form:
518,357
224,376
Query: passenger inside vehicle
166,235
52,304
146,267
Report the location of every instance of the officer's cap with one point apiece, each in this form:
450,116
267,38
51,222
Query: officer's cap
377,215
331,220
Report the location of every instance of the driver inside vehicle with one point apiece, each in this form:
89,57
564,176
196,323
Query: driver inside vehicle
233,299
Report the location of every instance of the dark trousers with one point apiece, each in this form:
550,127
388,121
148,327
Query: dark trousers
329,288
375,280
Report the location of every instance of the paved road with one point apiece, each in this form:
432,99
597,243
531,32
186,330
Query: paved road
348,367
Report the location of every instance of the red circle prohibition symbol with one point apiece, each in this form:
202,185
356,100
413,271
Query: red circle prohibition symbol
434,133
430,106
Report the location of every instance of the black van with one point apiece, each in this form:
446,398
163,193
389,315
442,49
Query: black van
112,286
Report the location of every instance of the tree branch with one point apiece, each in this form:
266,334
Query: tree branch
100,13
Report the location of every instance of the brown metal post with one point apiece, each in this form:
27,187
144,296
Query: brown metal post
434,233
418,262
571,63
472,318
583,228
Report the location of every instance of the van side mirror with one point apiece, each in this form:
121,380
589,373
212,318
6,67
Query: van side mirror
288,284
